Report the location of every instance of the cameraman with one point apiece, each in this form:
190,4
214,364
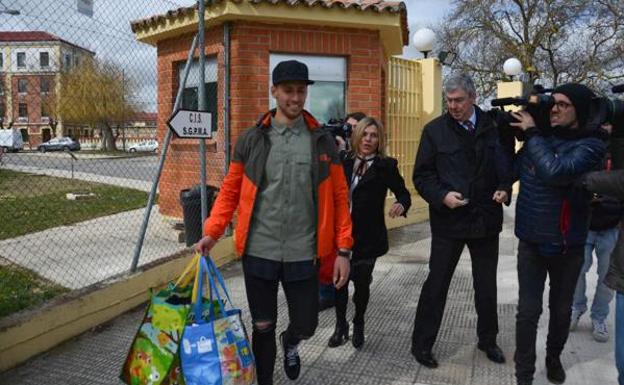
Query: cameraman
352,120
612,183
551,222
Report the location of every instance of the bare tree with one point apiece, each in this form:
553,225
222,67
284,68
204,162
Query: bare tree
556,41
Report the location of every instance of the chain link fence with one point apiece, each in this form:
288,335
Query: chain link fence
81,145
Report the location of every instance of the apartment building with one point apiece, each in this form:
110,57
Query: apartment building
30,66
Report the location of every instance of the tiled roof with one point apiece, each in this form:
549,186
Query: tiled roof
33,36
380,6
27,36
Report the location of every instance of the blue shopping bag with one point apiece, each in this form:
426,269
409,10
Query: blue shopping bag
216,350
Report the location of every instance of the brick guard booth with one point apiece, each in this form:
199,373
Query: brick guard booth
346,44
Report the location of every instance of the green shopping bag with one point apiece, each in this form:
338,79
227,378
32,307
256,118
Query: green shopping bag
155,346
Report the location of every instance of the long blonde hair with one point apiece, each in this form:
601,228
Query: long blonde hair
358,133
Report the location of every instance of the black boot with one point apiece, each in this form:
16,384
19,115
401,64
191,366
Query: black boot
340,336
554,370
358,335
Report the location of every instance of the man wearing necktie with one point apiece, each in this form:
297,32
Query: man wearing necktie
464,175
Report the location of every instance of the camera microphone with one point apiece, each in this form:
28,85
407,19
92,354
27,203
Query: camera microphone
504,102
618,89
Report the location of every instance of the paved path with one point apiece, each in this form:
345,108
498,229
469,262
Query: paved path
88,252
96,357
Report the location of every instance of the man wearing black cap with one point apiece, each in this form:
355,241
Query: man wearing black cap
552,223
287,182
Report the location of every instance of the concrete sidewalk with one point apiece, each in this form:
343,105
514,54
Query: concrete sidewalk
96,357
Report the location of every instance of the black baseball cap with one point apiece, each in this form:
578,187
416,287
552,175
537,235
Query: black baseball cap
290,71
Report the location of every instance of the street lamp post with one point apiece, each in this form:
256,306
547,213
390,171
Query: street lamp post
423,40
512,67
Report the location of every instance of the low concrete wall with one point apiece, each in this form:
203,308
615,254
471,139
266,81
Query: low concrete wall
33,332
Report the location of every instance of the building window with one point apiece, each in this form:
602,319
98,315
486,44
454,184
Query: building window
1,87
21,60
44,59
45,111
44,84
2,111
1,61
22,110
68,61
22,86
190,99
326,97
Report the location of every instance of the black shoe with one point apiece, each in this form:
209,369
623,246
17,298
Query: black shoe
292,362
340,336
524,382
358,335
554,370
493,353
425,358
325,304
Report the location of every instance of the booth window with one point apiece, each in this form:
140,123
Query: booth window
326,97
190,100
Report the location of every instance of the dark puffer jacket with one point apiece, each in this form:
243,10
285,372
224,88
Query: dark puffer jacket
551,211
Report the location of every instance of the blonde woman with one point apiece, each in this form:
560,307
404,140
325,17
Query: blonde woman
370,173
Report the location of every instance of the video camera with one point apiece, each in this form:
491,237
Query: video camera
605,110
539,102
339,127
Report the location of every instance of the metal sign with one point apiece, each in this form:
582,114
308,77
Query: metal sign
191,124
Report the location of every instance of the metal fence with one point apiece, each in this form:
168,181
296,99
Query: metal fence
404,113
72,73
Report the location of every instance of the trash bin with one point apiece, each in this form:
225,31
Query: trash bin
191,209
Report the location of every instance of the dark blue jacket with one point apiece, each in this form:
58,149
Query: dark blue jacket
551,210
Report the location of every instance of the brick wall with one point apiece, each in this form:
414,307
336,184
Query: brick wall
251,45
33,100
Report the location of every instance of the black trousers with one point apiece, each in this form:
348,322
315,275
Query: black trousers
563,271
445,253
302,301
361,274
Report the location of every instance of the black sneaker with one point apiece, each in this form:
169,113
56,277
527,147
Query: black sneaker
292,362
554,370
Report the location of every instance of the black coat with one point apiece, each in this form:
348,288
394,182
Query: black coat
475,165
367,205
611,183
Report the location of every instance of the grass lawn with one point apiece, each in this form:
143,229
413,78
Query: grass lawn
30,202
20,289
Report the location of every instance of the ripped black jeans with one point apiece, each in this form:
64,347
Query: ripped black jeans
302,301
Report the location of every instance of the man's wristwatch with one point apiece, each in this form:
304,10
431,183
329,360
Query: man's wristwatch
345,253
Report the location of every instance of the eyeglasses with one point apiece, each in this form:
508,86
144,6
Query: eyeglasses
563,105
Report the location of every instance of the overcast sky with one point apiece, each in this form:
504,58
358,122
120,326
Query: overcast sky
108,32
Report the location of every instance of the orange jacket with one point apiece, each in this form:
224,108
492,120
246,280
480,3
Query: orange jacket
245,174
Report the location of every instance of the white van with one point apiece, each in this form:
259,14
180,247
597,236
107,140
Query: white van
11,140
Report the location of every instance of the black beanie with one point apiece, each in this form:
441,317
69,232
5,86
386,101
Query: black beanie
580,96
